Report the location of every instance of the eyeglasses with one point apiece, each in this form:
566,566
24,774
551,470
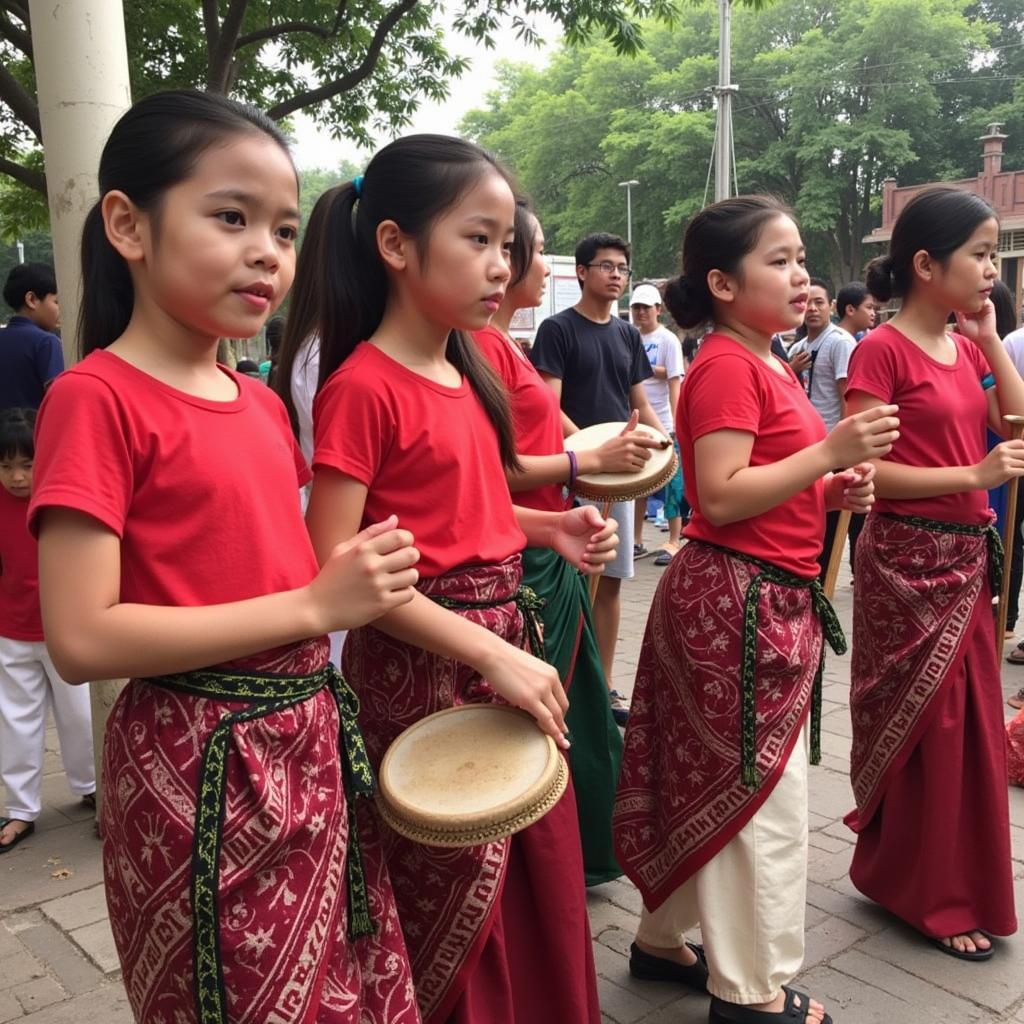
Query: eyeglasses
607,267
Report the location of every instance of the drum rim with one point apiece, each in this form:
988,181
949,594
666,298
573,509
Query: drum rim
414,821
592,487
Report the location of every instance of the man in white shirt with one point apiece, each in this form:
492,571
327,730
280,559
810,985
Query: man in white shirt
665,354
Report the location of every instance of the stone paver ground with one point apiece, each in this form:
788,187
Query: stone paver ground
58,964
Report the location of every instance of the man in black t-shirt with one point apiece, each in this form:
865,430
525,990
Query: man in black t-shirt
596,364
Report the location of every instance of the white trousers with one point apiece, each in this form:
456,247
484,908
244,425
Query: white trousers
29,685
749,899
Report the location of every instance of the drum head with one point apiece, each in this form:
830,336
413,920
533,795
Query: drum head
657,471
469,775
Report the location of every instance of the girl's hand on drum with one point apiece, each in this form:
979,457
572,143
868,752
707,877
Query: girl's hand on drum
627,453
852,489
531,684
1004,462
866,435
365,577
585,540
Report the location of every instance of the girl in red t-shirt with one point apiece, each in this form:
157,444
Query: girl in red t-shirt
394,267
928,760
711,813
170,540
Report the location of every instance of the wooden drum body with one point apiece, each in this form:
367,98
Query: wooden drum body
656,473
469,775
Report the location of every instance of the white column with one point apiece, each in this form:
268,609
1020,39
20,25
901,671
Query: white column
81,65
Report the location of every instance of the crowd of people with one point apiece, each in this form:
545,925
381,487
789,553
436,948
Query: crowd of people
412,508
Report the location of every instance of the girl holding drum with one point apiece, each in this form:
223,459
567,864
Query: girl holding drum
569,641
394,267
711,813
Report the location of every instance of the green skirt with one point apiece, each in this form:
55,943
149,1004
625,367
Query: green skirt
596,752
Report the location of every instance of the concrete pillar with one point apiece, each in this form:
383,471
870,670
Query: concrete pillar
81,65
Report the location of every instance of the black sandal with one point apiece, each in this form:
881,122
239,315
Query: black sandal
30,827
722,1012
648,967
963,954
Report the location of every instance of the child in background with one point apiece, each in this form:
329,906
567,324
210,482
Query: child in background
29,683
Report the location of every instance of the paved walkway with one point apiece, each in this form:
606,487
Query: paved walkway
58,965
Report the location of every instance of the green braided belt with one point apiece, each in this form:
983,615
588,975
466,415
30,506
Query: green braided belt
831,629
988,531
525,599
264,693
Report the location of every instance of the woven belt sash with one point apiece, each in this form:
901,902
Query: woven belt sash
264,694
833,633
525,599
992,540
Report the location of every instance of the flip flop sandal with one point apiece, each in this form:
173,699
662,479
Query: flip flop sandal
648,967
1016,655
722,1012
961,954
30,827
1017,700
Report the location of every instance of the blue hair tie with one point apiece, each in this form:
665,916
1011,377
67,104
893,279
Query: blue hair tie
357,184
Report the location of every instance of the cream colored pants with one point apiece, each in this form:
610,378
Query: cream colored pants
748,899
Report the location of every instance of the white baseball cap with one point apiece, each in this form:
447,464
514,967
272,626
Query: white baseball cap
645,295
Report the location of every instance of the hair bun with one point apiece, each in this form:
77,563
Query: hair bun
879,278
689,302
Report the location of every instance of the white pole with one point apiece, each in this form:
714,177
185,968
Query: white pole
629,214
21,251
81,65
724,92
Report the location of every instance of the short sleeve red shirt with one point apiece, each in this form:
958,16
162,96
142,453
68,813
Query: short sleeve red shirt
19,573
729,388
204,495
943,415
535,414
426,453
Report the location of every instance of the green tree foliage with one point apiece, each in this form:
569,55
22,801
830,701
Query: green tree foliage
834,97
356,66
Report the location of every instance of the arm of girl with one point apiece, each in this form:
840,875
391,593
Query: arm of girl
626,453
92,634
895,480
731,489
579,535
1008,395
335,510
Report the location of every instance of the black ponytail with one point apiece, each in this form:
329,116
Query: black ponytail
341,287
154,146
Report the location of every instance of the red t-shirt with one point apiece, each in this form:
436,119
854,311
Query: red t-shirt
19,572
204,495
535,413
426,452
729,388
943,415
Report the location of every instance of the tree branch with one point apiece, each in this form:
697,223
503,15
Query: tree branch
26,175
21,103
211,23
219,65
290,27
16,36
356,75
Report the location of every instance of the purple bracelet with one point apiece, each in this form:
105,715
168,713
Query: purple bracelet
573,469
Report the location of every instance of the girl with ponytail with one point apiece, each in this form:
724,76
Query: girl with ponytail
711,815
238,884
928,761
395,268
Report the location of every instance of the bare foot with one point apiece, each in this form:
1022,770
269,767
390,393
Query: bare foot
969,942
815,1011
684,956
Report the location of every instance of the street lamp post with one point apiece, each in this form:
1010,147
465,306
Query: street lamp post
628,186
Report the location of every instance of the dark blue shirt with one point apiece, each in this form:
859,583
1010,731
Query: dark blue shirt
29,359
